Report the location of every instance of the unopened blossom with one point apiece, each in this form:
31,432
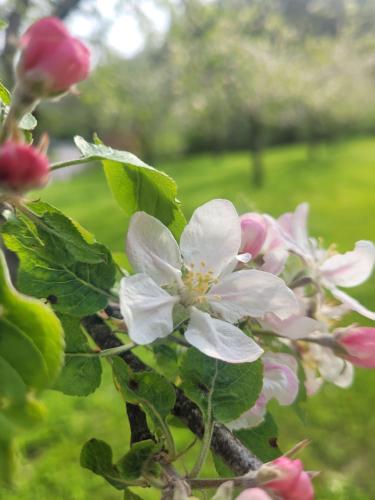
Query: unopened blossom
51,59
327,268
22,167
262,239
293,482
200,276
359,344
322,364
254,494
280,382
253,233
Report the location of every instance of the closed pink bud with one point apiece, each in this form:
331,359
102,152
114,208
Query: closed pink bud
254,494
22,167
254,232
293,482
51,59
359,343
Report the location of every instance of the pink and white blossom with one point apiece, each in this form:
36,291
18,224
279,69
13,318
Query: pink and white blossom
359,343
253,233
330,270
322,364
201,277
280,382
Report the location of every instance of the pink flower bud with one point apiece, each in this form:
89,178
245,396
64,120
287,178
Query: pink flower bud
254,232
254,494
22,167
294,483
359,343
51,59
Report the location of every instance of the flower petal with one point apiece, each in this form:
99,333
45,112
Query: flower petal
152,250
252,293
352,304
274,262
212,238
280,378
219,339
146,309
294,229
250,418
332,368
351,268
294,327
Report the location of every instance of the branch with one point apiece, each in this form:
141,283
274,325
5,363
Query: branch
11,38
224,444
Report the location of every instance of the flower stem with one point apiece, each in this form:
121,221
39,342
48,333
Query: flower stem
63,164
102,354
208,431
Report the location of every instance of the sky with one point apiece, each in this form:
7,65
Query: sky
124,35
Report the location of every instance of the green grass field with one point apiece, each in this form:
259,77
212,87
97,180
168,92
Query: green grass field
339,183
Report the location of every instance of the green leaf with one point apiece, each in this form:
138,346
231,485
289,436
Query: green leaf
31,336
137,186
4,92
96,455
234,388
3,24
80,376
129,495
137,460
8,457
261,440
31,348
59,260
150,389
166,359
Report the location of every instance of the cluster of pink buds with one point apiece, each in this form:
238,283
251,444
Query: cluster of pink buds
51,62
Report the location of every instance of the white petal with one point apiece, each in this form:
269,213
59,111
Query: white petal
274,262
294,229
352,304
219,339
332,368
152,250
252,293
146,309
280,378
250,418
295,327
212,238
351,268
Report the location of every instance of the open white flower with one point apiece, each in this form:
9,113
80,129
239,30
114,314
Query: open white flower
330,269
200,277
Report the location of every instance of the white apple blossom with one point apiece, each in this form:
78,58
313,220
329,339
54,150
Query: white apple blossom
200,276
329,269
280,381
321,364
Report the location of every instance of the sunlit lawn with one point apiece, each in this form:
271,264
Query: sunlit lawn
339,183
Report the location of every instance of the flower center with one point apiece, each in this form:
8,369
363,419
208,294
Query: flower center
197,284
